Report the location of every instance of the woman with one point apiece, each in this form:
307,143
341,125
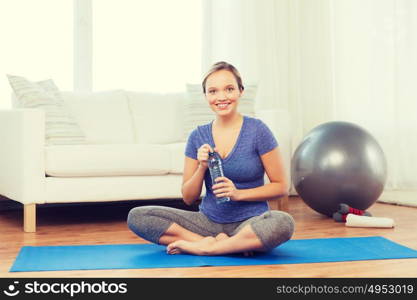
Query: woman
248,150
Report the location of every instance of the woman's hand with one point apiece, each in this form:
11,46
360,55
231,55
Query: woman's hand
203,155
224,187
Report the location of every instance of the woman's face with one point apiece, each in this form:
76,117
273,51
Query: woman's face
222,92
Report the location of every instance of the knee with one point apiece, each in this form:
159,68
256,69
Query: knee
148,222
288,223
137,218
279,229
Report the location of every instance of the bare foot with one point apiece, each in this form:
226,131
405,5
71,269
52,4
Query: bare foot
200,247
221,236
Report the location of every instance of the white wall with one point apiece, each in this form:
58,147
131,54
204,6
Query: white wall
356,61
326,60
36,41
253,36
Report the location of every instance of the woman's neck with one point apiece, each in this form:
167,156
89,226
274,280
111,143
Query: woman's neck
228,121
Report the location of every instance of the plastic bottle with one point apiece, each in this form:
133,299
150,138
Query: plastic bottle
216,170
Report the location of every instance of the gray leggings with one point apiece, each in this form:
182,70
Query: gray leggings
150,223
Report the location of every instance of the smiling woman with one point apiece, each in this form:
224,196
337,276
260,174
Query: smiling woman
223,87
247,150
222,93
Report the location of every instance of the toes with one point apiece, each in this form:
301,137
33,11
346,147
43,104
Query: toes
174,251
172,248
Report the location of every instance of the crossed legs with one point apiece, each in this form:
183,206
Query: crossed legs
192,232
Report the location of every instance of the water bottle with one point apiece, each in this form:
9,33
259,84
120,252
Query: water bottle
216,170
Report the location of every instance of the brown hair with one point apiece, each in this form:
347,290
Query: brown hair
222,65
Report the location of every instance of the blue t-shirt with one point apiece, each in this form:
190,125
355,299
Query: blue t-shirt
243,166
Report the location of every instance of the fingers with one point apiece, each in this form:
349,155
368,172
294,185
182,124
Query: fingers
223,188
217,188
208,147
223,193
203,153
221,182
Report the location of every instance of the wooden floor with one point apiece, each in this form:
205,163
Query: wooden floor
77,225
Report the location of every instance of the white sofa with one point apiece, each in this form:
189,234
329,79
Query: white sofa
134,151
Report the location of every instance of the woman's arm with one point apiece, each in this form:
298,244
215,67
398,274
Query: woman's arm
193,179
274,168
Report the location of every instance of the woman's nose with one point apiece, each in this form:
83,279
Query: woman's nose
221,95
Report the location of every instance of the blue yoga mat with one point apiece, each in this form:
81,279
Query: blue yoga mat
139,256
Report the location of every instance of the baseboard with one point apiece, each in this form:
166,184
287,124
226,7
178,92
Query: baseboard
400,197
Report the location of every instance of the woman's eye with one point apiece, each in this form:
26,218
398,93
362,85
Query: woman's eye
230,89
212,92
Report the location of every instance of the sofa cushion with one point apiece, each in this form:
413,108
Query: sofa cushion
103,116
99,189
177,151
107,160
157,118
60,126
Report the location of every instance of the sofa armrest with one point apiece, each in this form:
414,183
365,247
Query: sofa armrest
280,124
22,162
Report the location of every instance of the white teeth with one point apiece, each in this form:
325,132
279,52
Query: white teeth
222,105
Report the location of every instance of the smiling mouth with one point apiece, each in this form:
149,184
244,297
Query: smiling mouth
223,105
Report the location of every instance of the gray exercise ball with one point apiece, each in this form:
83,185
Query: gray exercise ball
338,162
